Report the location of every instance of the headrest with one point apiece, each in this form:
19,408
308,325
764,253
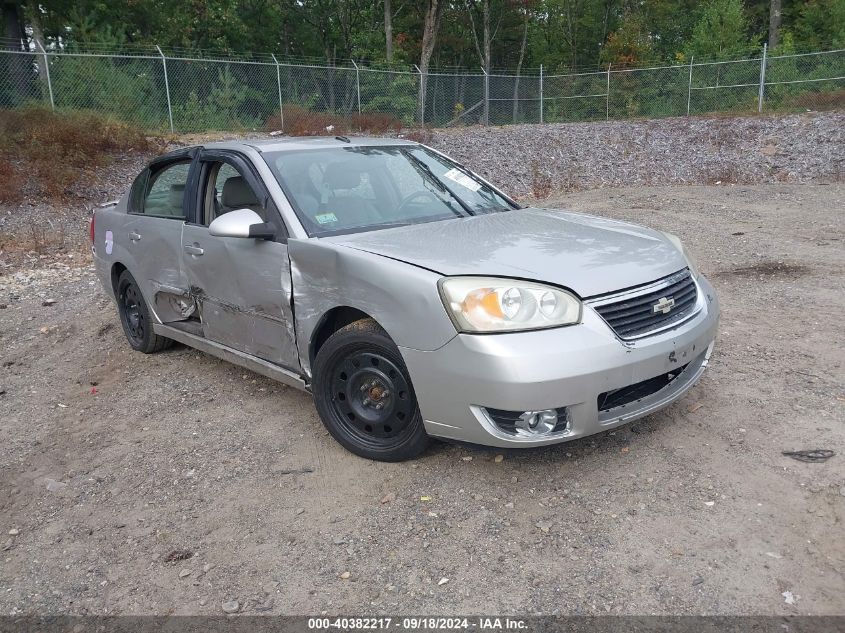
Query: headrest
237,193
176,195
342,175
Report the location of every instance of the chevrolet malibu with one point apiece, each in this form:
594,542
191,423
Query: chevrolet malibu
410,296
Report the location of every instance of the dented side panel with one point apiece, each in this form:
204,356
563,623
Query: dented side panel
150,248
242,290
402,298
172,304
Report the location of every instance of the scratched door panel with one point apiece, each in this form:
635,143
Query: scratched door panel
242,288
154,247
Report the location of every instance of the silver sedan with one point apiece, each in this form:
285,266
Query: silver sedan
411,297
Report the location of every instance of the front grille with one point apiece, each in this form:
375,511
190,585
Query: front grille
506,420
637,314
637,391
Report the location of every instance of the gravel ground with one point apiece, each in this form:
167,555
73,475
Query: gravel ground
534,159
36,232
175,483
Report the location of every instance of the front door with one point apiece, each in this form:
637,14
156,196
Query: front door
242,286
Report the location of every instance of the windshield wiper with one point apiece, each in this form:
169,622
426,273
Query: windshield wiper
486,188
492,209
425,172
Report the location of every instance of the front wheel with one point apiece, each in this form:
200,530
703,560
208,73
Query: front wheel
364,395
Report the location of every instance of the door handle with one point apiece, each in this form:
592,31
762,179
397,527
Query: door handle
196,251
134,237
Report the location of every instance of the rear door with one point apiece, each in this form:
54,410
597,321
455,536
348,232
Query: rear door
152,234
242,286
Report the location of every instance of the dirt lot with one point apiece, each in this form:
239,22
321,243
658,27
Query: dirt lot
692,510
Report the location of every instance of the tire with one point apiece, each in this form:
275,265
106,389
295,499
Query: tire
135,317
364,395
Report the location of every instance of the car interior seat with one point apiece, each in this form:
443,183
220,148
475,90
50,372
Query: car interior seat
350,208
237,194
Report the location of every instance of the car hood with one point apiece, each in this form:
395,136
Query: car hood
587,254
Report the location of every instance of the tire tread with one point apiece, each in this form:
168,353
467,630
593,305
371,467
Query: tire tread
370,331
153,343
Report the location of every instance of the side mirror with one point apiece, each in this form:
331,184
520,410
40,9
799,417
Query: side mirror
241,223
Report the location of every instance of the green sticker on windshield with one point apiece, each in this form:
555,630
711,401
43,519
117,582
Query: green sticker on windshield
326,218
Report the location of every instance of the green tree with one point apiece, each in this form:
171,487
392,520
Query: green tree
721,31
820,24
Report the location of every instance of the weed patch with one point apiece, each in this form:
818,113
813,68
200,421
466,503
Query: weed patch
51,151
300,121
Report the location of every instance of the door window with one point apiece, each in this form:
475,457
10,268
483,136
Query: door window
227,190
166,191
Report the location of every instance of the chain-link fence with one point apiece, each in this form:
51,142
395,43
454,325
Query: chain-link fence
185,94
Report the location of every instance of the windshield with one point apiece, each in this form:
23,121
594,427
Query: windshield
350,189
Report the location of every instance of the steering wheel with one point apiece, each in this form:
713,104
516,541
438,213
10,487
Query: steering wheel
407,200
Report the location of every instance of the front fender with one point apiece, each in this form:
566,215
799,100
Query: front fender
402,298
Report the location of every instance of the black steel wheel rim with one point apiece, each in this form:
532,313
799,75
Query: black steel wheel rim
371,398
133,317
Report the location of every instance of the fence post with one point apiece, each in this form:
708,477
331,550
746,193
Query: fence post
279,84
47,72
486,96
689,88
421,96
762,79
541,93
166,88
607,96
357,83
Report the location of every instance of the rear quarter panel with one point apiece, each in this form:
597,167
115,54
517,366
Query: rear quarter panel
106,250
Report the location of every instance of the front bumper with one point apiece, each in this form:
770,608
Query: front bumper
564,367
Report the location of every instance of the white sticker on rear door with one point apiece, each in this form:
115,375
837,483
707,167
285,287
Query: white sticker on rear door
456,175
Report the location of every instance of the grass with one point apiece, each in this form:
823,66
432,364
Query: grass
43,153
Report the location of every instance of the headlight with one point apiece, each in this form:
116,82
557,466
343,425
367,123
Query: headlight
489,304
680,246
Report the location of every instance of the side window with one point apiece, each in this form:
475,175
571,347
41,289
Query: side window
228,191
136,193
166,191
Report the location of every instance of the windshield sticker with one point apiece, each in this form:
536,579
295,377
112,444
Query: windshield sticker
326,218
456,175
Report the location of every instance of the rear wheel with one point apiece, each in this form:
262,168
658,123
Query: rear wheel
135,317
364,395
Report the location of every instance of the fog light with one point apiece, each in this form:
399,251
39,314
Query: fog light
537,422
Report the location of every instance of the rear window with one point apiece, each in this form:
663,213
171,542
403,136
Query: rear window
163,191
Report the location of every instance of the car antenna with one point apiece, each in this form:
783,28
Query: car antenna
343,138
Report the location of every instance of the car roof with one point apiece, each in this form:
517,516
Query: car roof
290,143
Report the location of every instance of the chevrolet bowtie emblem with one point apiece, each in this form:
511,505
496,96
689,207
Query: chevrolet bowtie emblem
664,305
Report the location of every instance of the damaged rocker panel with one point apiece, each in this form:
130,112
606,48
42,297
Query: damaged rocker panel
224,352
